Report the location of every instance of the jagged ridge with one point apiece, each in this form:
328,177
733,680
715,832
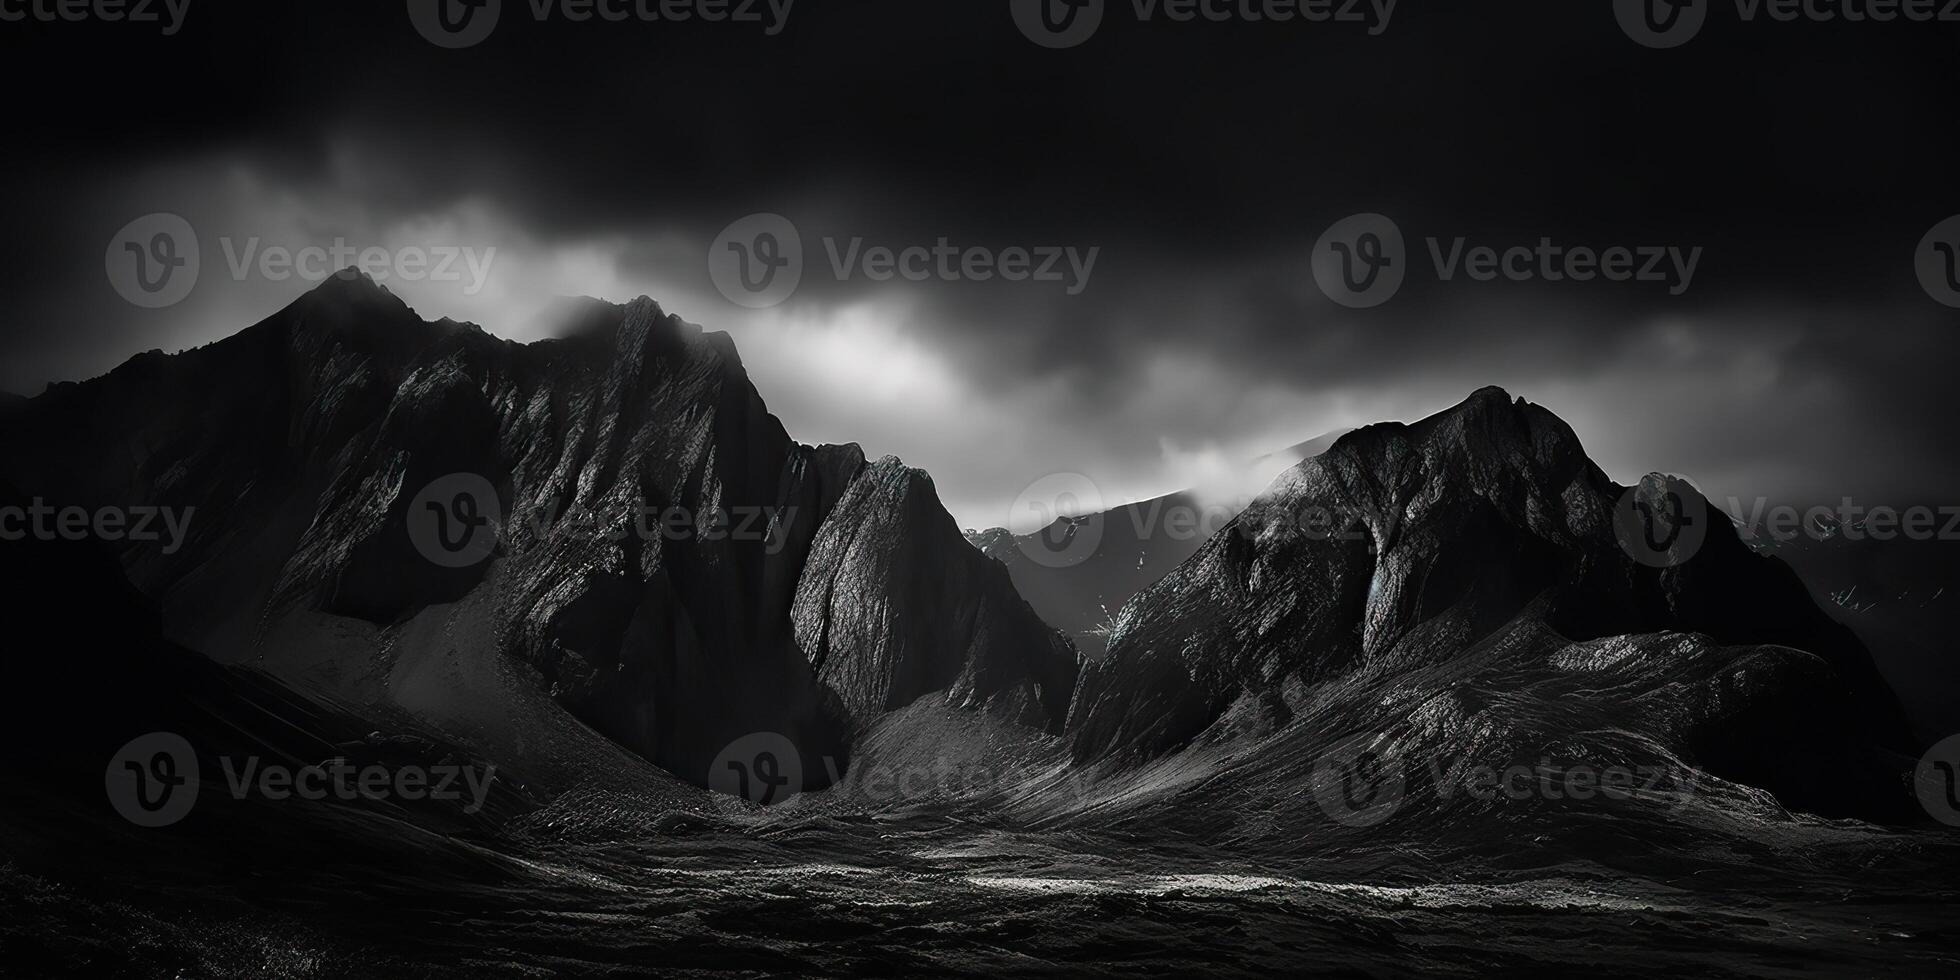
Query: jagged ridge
304,439
1471,523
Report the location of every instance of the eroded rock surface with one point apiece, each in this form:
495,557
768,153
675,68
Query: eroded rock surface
1406,551
671,566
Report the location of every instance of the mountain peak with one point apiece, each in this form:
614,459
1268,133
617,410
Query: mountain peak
1493,402
350,300
1492,394
1481,532
1490,438
350,283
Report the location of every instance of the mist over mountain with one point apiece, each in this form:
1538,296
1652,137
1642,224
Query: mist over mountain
1079,570
803,590
693,667
1480,551
507,489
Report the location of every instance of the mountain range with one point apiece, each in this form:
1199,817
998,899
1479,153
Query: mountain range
599,567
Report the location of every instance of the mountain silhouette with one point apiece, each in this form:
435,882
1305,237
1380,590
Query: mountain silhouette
803,591
1472,584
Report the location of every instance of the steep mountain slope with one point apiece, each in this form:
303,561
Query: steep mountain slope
1079,570
1413,566
1901,596
645,542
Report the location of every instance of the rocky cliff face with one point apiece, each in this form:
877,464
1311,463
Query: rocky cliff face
866,614
640,534
1412,565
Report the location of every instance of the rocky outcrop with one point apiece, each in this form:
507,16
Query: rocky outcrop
1405,551
866,617
660,556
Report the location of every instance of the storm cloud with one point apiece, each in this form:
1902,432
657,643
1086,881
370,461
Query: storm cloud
1200,161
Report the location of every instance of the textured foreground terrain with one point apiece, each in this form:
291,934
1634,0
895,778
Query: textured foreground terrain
599,890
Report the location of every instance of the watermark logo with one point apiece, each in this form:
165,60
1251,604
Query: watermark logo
1068,23
315,263
1936,781
1058,23
1364,780
343,781
1359,783
1659,525
1937,261
1552,782
757,262
169,13
767,768
456,521
153,261
1672,23
1361,261
153,781
466,23
455,24
764,768
1661,24
1846,520
1068,509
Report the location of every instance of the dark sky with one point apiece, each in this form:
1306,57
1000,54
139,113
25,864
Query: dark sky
1203,160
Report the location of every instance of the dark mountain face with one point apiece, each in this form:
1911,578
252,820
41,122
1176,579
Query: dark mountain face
1442,680
1080,570
634,534
488,535
1445,575
94,673
1901,596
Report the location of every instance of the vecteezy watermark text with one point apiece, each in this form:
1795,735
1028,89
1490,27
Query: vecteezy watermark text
758,262
339,779
169,14
1672,23
154,261
467,23
155,781
1664,524
314,263
458,521
1363,780
1846,520
1067,23
768,768
1363,261
43,521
